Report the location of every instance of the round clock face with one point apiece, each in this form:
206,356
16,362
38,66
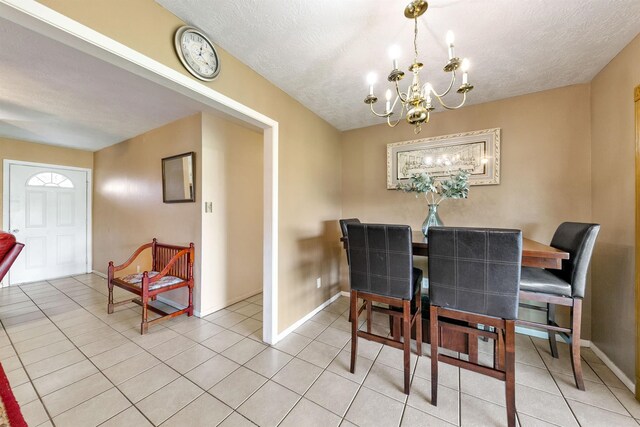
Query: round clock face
197,53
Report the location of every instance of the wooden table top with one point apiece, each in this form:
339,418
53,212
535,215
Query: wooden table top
529,247
534,254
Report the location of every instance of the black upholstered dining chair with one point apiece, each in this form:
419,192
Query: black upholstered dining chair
562,287
381,270
474,277
343,228
345,244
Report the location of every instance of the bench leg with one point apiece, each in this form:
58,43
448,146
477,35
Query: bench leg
144,326
190,312
110,304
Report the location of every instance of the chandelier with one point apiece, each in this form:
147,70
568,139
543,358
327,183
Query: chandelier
418,99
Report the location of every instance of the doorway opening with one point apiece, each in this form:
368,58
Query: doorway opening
48,207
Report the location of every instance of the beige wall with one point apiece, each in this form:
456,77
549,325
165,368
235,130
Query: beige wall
613,176
231,175
12,149
309,149
545,167
127,199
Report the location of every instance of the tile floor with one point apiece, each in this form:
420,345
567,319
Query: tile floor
71,364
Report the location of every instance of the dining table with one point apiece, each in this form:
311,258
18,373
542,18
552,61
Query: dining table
534,254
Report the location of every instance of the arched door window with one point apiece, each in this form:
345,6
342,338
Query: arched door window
49,179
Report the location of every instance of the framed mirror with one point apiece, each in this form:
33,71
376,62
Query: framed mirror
178,179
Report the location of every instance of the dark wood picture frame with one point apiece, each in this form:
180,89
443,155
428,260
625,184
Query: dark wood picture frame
178,178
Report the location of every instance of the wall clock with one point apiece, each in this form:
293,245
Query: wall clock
197,54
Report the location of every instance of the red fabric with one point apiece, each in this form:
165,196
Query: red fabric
10,404
7,240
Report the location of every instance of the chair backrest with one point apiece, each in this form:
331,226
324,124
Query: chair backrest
344,222
343,228
475,270
381,259
578,239
9,251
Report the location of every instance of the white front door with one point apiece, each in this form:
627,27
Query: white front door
48,213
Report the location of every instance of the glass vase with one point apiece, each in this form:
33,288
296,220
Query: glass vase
431,220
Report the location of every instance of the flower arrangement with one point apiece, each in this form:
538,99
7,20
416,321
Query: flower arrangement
456,187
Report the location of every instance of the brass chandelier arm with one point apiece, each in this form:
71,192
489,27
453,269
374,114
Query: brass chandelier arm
401,96
394,124
380,115
446,92
464,99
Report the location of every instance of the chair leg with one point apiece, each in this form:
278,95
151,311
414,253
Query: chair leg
369,319
406,325
510,371
498,358
576,319
472,343
396,328
551,319
418,320
354,329
433,325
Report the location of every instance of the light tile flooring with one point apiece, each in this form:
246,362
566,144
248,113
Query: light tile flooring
71,364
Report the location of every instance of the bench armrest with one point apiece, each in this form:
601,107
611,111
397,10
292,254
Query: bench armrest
167,267
113,268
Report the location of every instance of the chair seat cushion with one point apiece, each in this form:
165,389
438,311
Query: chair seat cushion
7,240
542,281
136,280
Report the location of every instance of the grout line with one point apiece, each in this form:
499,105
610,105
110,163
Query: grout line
555,381
90,361
610,391
24,368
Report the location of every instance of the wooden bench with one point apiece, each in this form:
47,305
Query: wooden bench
172,268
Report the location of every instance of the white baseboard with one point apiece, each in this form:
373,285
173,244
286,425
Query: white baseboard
293,327
618,373
171,303
195,312
345,294
210,310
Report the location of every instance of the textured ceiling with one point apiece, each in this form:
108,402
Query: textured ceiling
53,94
319,52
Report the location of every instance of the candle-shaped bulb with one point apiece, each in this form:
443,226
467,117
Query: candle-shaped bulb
387,108
450,40
371,79
394,54
428,89
465,71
